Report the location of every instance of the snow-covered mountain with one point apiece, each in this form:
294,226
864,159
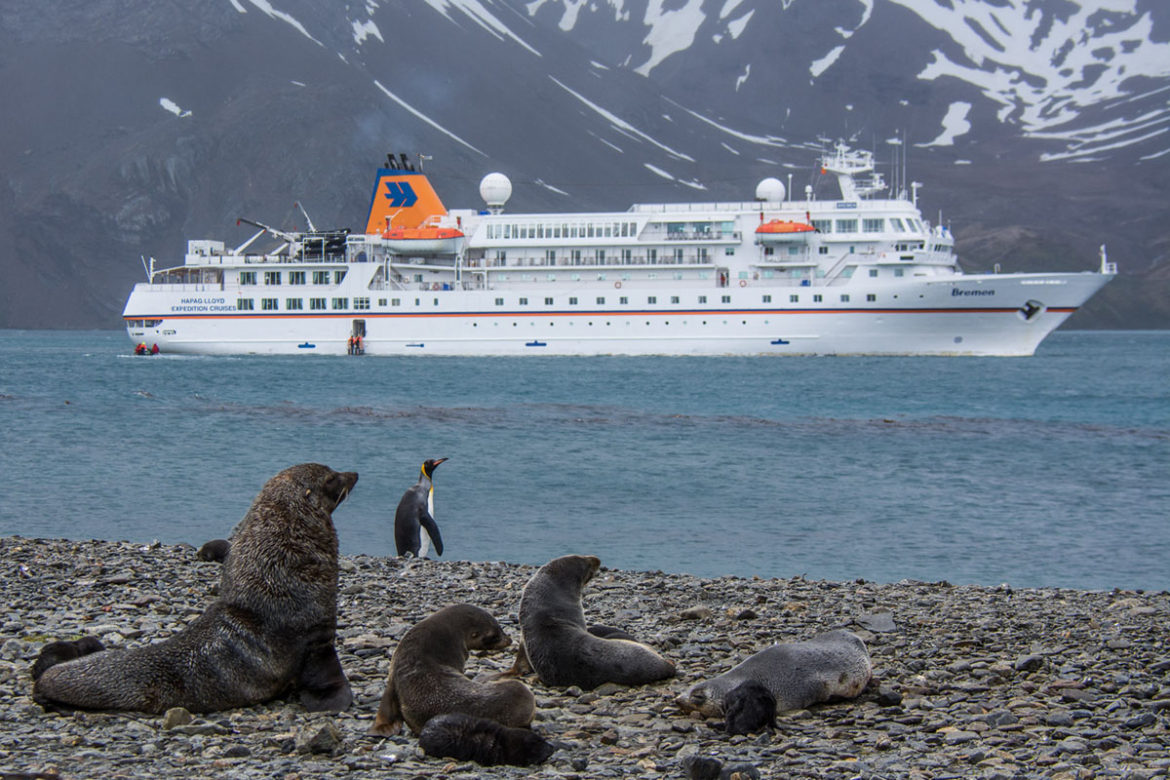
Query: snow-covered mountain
1039,126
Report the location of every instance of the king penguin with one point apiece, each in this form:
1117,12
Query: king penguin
414,522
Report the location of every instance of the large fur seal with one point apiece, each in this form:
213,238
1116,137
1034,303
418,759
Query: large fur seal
559,647
831,665
426,674
270,632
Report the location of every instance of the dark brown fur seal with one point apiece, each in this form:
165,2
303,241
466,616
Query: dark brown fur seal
64,650
467,738
426,674
831,665
215,551
559,647
270,632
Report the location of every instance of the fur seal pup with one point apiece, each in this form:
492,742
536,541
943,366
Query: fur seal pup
215,551
749,707
414,520
64,650
467,738
557,644
426,674
834,664
270,632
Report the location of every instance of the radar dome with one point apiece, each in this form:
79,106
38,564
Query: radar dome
770,190
495,189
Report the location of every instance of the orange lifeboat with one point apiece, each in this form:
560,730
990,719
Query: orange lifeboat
782,230
422,240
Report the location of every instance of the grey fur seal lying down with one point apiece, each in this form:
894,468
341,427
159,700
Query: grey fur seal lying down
559,647
831,665
270,632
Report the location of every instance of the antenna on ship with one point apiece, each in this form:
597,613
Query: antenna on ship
312,227
421,158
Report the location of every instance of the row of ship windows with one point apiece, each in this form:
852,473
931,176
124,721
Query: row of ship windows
294,277
363,304
689,229
869,225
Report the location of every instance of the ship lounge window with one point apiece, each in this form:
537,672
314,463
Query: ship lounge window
873,225
822,250
627,256
652,299
767,299
823,225
548,301
600,301
382,302
652,256
727,299
550,257
320,277
600,256
623,300
361,303
341,303
271,277
268,304
572,301
730,251
294,304
523,301
395,301
845,298
899,272
247,277
296,277
674,299
499,301
338,277
817,298
702,299
794,299
678,255
702,253
245,304
847,226
317,304
871,297
873,272
898,226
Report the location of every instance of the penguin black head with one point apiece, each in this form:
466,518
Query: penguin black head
429,466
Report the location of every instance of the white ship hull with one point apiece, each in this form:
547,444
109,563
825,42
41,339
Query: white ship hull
866,277
463,323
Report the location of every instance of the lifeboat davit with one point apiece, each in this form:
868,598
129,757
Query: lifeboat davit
782,230
422,240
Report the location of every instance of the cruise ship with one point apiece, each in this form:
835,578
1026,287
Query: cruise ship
863,274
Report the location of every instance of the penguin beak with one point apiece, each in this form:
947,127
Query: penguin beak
438,461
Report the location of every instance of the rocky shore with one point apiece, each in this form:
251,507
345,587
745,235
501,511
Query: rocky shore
970,682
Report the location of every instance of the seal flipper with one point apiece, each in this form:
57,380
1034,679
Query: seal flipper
432,529
389,719
321,683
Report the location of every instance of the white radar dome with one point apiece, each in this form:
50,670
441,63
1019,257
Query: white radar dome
770,190
495,189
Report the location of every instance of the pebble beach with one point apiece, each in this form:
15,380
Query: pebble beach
969,682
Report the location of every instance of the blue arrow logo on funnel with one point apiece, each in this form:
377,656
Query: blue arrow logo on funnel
400,194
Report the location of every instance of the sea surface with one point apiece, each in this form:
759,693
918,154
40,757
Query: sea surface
1052,470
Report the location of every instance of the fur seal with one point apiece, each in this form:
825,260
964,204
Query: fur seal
467,738
831,665
426,674
559,647
64,650
215,551
270,632
749,707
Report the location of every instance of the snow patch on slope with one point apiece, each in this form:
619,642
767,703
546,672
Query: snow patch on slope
474,10
1045,67
621,124
173,107
425,118
361,31
670,30
267,8
954,124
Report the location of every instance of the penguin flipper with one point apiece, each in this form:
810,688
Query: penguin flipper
428,523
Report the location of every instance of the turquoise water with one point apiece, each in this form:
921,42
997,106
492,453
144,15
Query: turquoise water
1050,470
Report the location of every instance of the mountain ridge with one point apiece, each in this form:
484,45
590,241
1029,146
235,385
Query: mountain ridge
141,126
